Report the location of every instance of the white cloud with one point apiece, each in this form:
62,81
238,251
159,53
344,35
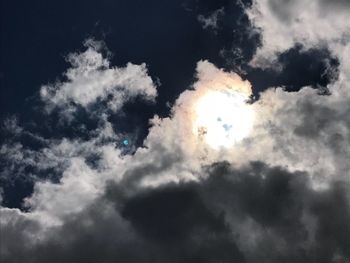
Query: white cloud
301,131
91,78
171,153
313,23
283,135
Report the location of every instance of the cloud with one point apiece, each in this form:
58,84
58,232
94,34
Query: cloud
301,130
311,23
274,210
80,165
91,80
175,199
248,214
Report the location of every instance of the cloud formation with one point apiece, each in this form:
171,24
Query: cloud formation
91,80
257,212
279,195
311,23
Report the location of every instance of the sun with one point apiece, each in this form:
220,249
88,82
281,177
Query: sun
223,118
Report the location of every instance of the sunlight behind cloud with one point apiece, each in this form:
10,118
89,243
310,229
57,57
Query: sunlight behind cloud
223,118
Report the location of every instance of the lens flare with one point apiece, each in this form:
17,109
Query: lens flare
223,118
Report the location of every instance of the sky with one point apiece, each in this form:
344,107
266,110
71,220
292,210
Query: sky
175,131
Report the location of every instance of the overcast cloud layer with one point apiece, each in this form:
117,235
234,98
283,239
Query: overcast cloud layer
280,195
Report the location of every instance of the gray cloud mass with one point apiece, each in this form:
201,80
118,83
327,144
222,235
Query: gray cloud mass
257,212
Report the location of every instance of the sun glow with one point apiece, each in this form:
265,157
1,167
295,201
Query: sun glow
223,117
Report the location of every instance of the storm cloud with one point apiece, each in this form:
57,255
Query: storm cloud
234,215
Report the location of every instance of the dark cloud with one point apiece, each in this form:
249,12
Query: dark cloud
323,118
171,214
254,214
331,209
283,205
319,122
285,9
335,4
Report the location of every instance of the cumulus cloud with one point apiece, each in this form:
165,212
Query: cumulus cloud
302,129
91,80
312,23
85,163
240,215
175,199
